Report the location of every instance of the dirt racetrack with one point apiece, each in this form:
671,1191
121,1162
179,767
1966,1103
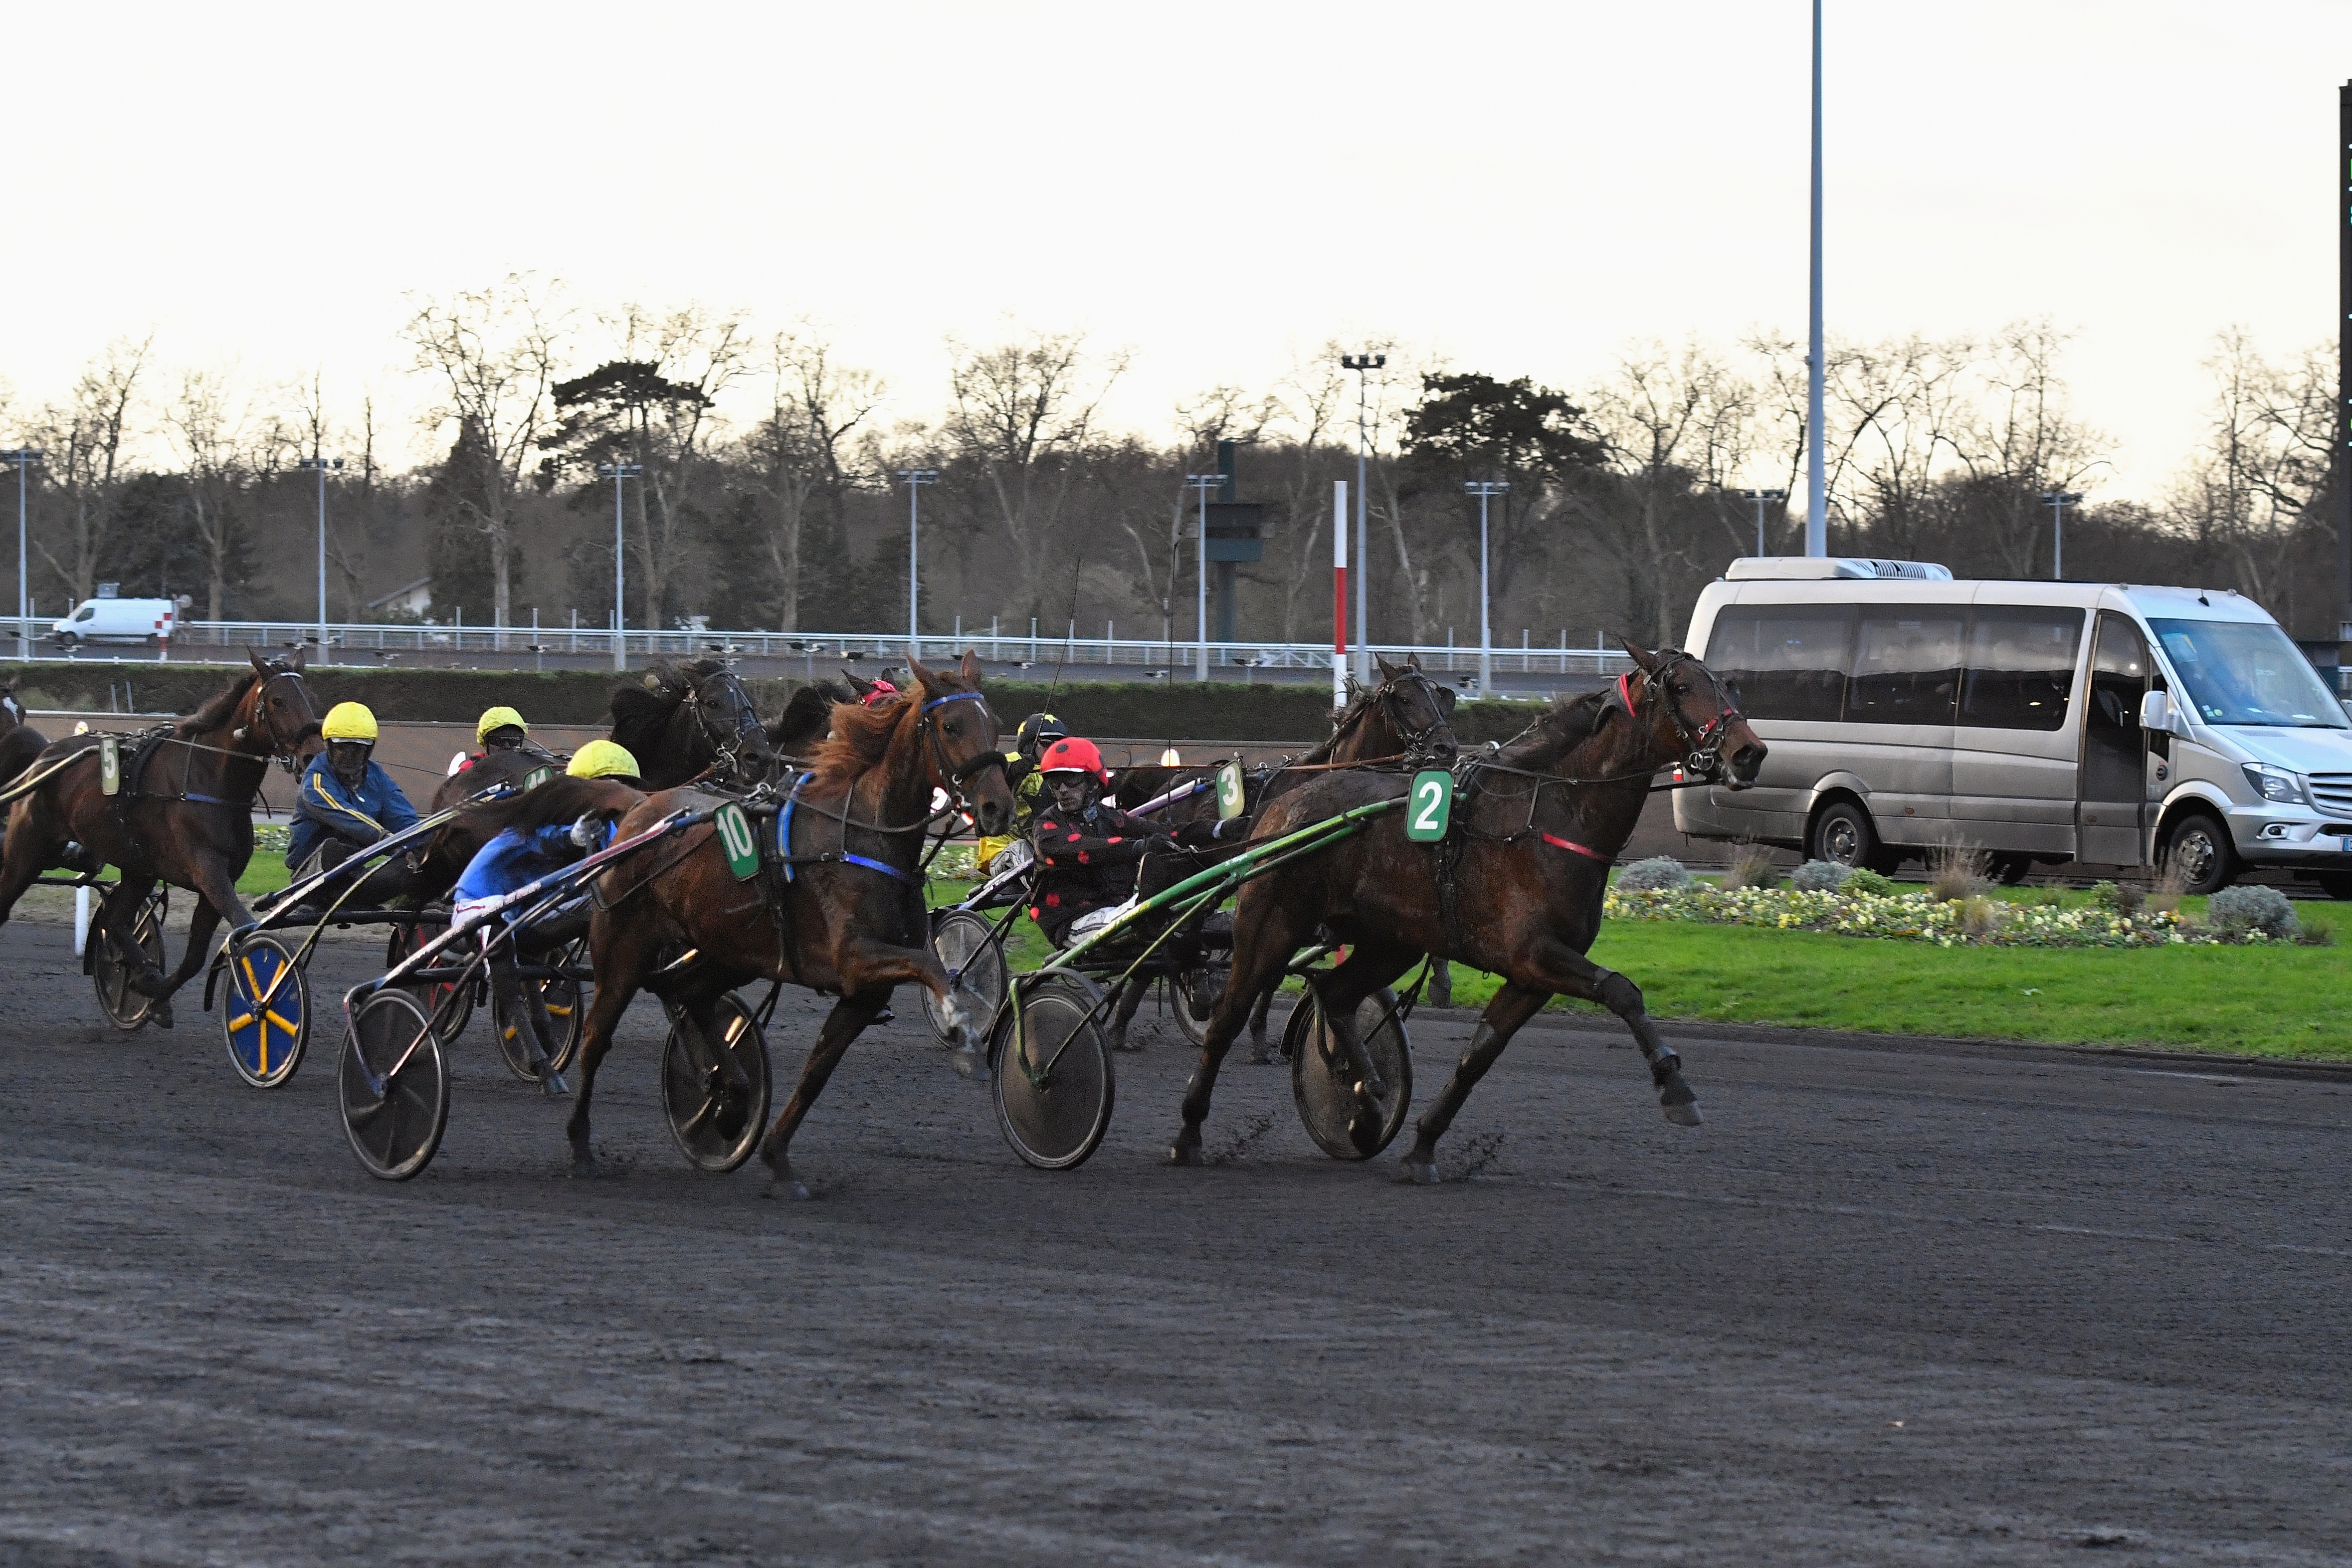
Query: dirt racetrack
1888,1306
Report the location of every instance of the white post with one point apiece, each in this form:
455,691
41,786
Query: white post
1817,507
82,920
1339,593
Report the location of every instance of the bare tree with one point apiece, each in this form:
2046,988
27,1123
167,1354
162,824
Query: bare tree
1220,414
2257,485
86,442
798,455
2015,438
227,449
492,353
1024,414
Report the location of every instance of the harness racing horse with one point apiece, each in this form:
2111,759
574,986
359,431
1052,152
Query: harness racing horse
807,716
690,718
1515,887
182,814
842,913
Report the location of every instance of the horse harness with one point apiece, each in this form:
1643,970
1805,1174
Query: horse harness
144,743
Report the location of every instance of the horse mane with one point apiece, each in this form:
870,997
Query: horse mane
860,738
218,709
1568,723
564,799
1359,698
809,711
640,712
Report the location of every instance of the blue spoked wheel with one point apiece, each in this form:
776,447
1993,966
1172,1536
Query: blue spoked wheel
266,1020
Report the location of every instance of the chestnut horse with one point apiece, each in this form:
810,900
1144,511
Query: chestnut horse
183,814
1514,887
849,921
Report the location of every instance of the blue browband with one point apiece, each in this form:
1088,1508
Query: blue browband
954,697
784,840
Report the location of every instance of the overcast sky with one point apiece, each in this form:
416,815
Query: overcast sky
1524,187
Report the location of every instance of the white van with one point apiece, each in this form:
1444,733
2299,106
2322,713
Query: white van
2049,723
118,620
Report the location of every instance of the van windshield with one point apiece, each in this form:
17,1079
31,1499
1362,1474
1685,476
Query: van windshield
2247,672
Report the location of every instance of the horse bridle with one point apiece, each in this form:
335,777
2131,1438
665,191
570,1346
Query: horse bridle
952,779
1704,745
725,745
1417,743
281,751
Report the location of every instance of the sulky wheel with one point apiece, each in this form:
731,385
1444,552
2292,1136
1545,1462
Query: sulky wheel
1052,1071
1187,991
449,1002
265,1020
1324,1079
124,1007
966,952
717,1109
394,1086
565,1001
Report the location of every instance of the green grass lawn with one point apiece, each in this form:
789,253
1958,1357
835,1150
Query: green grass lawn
2273,1000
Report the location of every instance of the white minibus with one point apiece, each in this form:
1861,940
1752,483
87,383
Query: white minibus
2107,723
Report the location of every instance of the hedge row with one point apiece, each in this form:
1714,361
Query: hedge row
1150,712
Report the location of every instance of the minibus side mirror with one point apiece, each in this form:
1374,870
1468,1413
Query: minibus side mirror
2158,715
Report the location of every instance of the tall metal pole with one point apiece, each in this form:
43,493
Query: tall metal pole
23,458
1817,505
916,480
1362,364
2343,442
2057,502
1484,488
617,473
1202,484
1759,498
1339,593
320,466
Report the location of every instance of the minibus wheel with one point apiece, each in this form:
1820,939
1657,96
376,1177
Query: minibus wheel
2197,853
1844,833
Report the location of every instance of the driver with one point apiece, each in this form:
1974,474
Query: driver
346,801
499,729
1037,731
1089,852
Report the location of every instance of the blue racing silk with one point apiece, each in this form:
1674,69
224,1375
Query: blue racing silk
516,858
324,809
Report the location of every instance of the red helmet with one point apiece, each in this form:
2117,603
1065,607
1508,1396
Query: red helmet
1073,753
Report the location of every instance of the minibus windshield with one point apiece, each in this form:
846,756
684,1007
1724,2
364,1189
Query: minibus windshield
2247,672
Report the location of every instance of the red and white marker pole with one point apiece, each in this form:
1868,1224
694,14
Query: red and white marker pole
1339,593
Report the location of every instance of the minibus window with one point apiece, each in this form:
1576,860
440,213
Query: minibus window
1906,666
2020,666
2247,672
85,612
1784,661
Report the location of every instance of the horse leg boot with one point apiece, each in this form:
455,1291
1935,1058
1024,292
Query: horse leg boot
1260,1053
844,1023
1130,997
1578,975
515,1012
1513,1006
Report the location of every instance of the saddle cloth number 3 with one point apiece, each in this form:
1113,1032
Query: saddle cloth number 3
1430,806
735,837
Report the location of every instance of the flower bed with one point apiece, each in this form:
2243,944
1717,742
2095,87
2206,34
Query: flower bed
1915,916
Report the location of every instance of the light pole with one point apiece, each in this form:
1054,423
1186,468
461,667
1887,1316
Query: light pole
1761,498
1362,364
618,473
1200,485
23,458
2058,501
1817,501
322,466
1483,489
916,480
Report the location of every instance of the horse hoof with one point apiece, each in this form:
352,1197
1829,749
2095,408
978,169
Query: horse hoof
1420,1173
1685,1114
584,1167
552,1087
160,1015
788,1188
1185,1154
969,1065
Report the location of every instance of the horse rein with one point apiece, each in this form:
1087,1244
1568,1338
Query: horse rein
725,746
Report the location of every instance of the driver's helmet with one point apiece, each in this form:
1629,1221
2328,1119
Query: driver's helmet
1038,731
488,727
349,721
603,759
1073,755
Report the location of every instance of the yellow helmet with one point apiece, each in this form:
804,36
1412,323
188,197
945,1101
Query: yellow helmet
349,721
603,759
497,719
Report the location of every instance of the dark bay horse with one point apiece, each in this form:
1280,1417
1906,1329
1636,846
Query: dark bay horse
1515,888
807,716
687,718
850,921
184,814
19,742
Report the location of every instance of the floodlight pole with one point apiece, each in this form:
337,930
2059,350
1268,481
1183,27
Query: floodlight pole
617,473
1362,364
1761,498
2057,502
320,465
916,480
1817,502
23,458
1482,489
1200,485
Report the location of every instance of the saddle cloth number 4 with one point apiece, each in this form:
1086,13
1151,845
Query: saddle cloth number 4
1430,808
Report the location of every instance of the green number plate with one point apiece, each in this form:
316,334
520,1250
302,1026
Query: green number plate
110,765
1231,799
536,777
1430,806
735,838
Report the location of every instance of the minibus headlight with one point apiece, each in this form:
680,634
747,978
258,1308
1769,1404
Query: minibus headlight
2276,785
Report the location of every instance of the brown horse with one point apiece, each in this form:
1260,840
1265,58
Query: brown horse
690,718
19,742
850,921
807,716
183,814
1515,888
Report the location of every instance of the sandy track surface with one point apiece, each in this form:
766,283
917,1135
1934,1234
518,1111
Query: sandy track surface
1886,1307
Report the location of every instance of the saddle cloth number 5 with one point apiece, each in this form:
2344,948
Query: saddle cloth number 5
735,837
1430,808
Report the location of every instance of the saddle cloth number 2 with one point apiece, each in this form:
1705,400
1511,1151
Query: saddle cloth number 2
1430,806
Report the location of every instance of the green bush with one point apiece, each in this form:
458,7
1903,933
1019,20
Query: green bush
1862,879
